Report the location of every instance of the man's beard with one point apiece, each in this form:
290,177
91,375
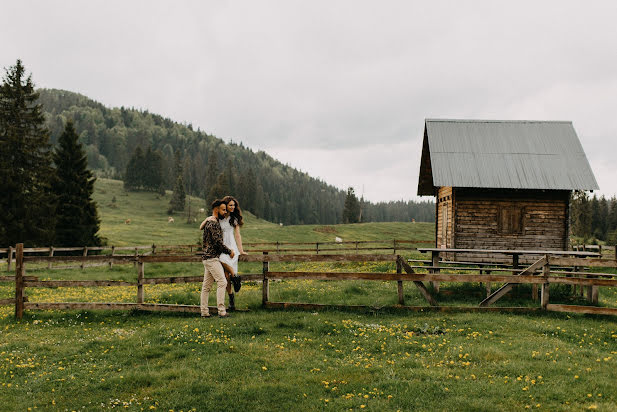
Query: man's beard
221,215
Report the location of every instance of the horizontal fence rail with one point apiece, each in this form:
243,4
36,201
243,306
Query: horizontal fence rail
552,267
110,255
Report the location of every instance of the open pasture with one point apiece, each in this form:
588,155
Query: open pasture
375,359
379,358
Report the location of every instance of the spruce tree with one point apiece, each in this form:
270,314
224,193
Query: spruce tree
221,188
77,217
133,178
27,203
152,177
596,222
247,188
211,176
351,210
178,198
259,201
612,214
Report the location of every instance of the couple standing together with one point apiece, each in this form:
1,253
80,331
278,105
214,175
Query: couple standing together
222,244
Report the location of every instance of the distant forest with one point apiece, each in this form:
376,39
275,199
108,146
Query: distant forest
593,218
263,185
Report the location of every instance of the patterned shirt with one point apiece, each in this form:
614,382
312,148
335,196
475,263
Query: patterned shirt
213,244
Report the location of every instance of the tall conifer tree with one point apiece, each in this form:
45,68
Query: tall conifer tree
178,198
133,178
26,202
351,210
77,217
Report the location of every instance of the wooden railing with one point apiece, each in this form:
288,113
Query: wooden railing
396,245
601,249
546,270
342,246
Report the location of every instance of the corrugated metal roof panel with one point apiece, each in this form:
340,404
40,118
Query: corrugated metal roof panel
508,154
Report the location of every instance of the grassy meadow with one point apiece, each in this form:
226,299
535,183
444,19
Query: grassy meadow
375,359
148,215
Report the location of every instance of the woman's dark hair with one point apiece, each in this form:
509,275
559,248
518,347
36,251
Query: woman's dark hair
235,218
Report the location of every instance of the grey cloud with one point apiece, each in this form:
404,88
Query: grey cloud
332,75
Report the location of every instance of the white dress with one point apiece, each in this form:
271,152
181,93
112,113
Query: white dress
230,241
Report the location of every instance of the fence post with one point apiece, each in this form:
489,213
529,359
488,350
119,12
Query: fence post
399,270
153,249
140,282
394,247
19,281
83,262
135,261
317,247
9,259
515,264
546,270
435,264
51,254
111,261
265,291
277,247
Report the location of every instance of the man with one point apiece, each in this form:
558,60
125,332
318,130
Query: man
213,269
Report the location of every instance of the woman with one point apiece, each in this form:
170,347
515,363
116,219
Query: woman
233,240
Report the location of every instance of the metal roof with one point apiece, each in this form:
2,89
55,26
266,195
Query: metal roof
503,154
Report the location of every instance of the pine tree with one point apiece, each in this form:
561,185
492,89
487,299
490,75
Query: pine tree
351,210
152,177
178,198
596,222
27,202
612,215
231,179
259,201
211,176
133,178
580,214
247,187
221,188
603,223
77,217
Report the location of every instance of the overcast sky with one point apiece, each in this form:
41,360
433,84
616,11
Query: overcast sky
339,89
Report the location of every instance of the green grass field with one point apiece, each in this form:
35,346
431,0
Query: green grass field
263,360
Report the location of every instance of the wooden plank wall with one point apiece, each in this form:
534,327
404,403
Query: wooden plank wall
544,225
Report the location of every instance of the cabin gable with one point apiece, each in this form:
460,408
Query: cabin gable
502,184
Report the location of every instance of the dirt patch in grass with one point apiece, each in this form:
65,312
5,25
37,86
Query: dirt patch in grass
325,229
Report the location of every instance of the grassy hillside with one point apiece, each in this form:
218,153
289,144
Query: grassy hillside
148,215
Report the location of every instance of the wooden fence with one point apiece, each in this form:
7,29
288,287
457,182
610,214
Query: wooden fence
270,247
545,271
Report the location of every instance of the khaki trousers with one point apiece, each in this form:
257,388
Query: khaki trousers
213,272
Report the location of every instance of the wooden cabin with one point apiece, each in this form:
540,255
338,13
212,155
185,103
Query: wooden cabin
502,184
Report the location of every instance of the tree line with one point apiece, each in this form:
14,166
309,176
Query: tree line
46,192
593,218
135,145
358,210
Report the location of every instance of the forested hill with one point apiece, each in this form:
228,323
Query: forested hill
263,185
